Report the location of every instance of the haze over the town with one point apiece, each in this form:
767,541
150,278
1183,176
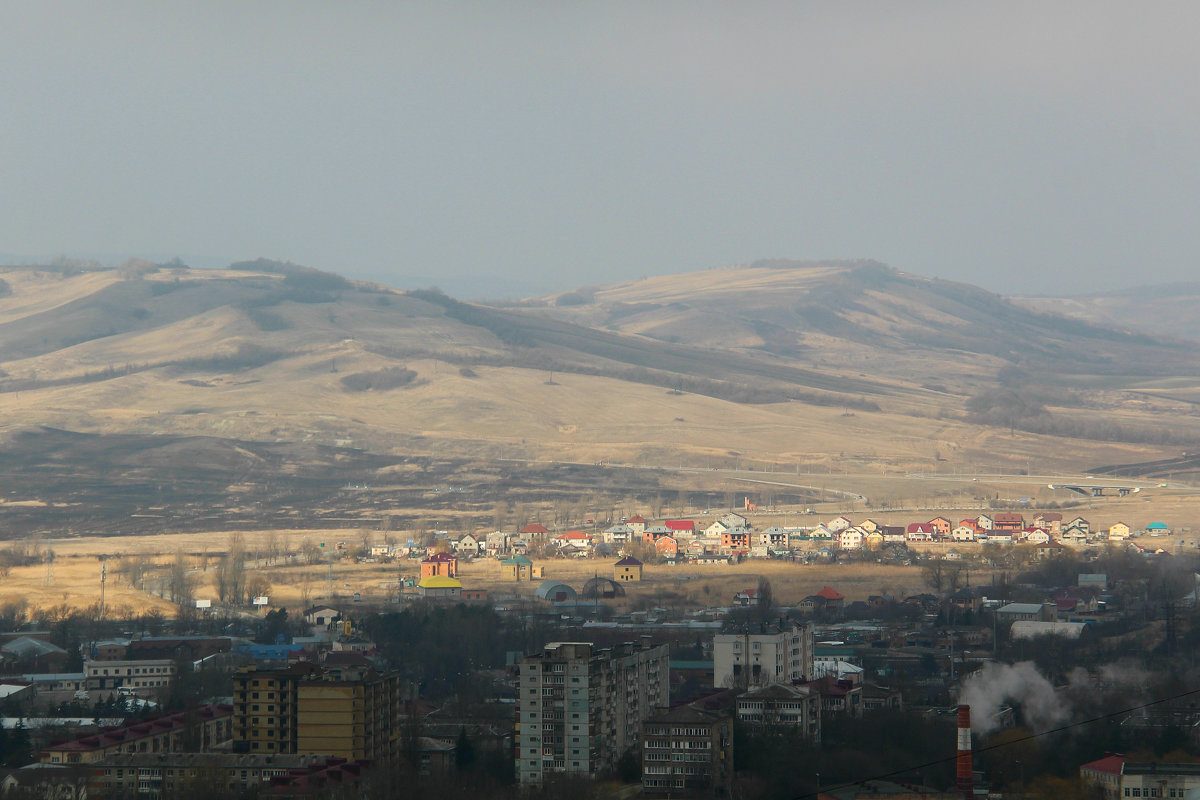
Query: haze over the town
517,148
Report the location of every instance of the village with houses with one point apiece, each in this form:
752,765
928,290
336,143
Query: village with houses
990,541
747,634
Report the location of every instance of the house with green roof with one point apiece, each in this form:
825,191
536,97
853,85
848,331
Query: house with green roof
517,568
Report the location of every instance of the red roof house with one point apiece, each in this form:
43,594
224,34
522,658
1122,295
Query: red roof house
444,564
920,531
1008,521
681,525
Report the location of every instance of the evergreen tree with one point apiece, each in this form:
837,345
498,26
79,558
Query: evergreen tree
464,754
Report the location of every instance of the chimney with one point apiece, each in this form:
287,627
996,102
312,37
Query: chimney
963,780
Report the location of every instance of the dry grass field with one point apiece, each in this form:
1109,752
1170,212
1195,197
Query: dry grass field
75,579
513,401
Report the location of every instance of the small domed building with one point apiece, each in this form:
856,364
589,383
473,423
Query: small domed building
602,589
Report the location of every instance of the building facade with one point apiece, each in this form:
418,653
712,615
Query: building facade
760,659
350,713
197,730
782,707
143,678
580,708
687,751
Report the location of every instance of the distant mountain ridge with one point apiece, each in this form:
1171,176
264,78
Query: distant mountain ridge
865,305
1165,310
777,360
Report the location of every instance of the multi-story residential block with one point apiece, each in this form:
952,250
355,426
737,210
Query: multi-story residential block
687,750
782,706
155,775
198,730
761,659
581,708
348,712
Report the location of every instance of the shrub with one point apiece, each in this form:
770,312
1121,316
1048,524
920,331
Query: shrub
267,320
380,380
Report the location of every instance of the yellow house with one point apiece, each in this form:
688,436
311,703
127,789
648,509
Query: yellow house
627,569
517,568
873,540
870,525
1119,531
439,586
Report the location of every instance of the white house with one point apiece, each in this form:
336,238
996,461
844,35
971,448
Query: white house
850,539
1082,524
963,533
732,520
774,538
467,546
618,534
839,524
497,542
985,522
637,525
716,529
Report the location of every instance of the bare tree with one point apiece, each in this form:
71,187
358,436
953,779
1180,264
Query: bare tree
272,546
179,581
765,600
257,586
231,572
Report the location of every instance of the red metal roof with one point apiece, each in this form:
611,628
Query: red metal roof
573,535
830,594
111,737
533,527
1111,764
681,524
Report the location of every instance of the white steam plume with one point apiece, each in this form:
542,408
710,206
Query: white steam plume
996,685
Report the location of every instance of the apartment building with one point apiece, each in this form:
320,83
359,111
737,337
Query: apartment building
143,677
349,712
782,707
196,730
155,775
687,751
772,655
582,707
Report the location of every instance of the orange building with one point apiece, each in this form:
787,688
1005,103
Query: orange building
444,564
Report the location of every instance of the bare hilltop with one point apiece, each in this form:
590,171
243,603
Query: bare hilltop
269,374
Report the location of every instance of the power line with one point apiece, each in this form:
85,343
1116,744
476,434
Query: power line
1000,745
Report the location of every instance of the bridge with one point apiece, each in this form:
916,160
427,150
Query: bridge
1095,490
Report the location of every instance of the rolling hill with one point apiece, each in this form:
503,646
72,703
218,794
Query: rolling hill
794,364
1169,310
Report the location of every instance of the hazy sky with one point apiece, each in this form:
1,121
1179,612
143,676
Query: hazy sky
1026,147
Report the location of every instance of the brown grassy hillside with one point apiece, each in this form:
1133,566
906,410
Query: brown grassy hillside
775,364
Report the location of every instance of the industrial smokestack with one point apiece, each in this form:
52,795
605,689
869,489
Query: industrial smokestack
964,782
